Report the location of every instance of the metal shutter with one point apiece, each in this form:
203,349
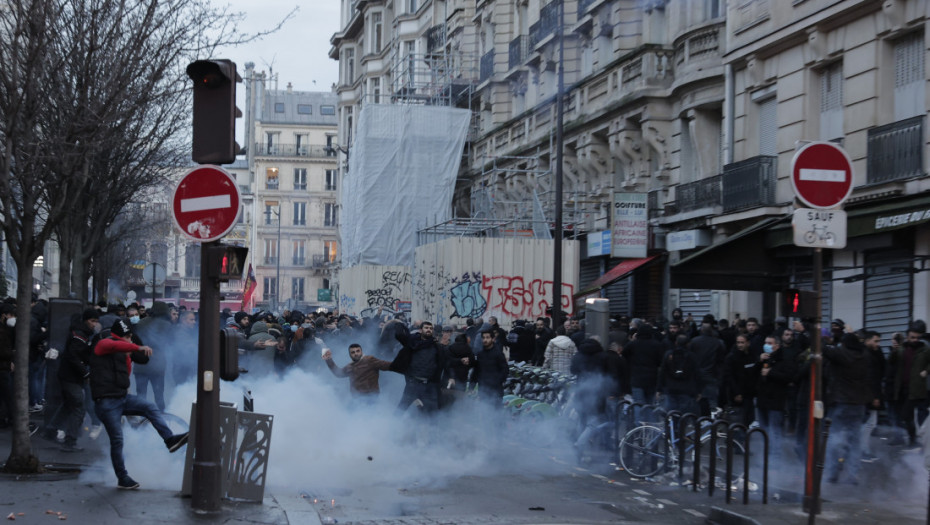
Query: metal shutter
909,77
619,294
888,292
768,126
694,302
589,270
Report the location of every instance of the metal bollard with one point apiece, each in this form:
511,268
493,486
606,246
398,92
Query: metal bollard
765,465
821,452
712,468
698,425
682,434
730,431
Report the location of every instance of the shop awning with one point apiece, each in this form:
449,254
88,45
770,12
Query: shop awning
739,262
616,273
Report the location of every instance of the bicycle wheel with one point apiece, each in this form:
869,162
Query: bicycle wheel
642,451
721,457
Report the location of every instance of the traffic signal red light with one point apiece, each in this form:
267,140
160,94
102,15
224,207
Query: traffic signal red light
215,111
799,303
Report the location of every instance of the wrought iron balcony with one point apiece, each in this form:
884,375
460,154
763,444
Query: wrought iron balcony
652,204
435,38
487,65
270,259
293,150
749,183
896,151
547,24
518,50
704,193
319,261
299,261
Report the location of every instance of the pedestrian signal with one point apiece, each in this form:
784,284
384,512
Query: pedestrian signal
800,303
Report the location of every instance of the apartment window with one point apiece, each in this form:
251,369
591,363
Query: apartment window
325,284
279,107
768,126
350,66
349,125
271,178
304,109
831,102
327,110
299,253
909,77
689,166
377,30
329,251
271,141
300,214
271,213
297,289
269,288
192,261
300,178
271,251
375,90
410,47
329,214
331,180
412,6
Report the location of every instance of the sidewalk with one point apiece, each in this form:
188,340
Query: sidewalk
78,488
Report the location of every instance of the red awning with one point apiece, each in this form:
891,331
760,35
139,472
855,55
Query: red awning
615,274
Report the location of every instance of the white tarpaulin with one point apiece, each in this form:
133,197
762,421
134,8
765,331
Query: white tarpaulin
401,177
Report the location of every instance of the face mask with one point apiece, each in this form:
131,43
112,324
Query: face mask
134,319
97,328
293,328
767,348
11,322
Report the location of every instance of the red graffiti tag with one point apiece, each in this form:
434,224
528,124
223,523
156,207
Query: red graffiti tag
514,297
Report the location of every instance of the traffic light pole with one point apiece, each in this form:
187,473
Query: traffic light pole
815,410
207,471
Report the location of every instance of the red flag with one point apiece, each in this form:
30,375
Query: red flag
249,289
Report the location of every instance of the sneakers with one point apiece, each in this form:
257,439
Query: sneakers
95,431
60,436
868,458
127,483
177,441
71,447
36,408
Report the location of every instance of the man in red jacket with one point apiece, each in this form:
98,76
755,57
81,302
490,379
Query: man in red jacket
110,366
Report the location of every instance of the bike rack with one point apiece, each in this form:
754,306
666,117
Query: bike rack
712,468
682,434
624,404
697,449
671,414
730,431
765,465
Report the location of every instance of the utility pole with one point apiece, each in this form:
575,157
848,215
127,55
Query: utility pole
559,146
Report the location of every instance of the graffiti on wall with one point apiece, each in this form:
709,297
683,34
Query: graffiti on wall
473,294
466,297
391,290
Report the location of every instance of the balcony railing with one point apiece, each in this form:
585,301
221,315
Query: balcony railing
435,38
704,193
293,150
299,261
749,183
518,50
271,260
896,151
487,65
583,6
547,24
319,261
652,204
330,187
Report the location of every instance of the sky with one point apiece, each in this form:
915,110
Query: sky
298,52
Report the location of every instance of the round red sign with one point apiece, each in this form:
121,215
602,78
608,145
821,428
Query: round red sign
206,203
821,175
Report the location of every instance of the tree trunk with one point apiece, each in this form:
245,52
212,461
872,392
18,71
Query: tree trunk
64,266
79,274
22,459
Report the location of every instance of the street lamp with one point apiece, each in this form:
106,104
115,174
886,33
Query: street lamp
277,279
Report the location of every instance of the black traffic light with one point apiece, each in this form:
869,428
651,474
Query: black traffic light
215,111
229,354
225,262
800,303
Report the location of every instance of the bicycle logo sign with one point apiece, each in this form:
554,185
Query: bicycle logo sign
819,228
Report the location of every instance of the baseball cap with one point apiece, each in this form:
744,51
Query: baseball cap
121,328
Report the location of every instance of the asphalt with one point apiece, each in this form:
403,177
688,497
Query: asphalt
81,488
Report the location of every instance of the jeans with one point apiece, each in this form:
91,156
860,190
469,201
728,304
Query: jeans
427,393
772,422
36,380
644,396
907,414
680,402
158,387
72,406
709,395
110,410
845,434
866,438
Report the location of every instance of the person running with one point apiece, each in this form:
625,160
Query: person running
363,372
110,367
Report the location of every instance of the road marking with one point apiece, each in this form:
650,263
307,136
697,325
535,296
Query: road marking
598,476
213,202
695,513
642,492
666,501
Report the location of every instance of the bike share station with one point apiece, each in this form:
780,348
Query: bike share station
229,456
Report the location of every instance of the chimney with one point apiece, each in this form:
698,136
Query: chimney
290,89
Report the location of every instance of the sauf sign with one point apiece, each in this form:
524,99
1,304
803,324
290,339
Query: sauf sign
629,225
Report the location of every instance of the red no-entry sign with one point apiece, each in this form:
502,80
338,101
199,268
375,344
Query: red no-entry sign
821,175
206,203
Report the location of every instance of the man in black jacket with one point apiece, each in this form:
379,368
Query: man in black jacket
422,360
73,373
850,393
709,353
490,370
110,366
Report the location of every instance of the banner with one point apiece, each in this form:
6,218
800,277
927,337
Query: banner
248,289
630,225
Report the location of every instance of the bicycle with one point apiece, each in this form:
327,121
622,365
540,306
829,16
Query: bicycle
643,449
819,233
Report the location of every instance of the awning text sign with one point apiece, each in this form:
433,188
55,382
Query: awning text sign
630,225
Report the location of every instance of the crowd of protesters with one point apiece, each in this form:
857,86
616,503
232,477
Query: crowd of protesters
757,374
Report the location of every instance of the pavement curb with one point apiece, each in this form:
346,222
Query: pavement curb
720,516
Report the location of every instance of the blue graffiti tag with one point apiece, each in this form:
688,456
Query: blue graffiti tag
467,300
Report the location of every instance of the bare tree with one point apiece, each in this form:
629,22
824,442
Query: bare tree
93,101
